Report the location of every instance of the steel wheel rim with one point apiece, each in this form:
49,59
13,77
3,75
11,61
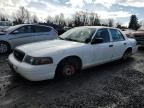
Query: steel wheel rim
3,48
68,70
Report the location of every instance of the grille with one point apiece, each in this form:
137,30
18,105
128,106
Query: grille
19,55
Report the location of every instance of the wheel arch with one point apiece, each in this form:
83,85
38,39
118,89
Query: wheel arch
129,49
70,57
6,43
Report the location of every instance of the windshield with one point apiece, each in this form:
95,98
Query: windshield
11,28
79,34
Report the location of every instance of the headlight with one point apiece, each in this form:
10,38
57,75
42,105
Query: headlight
38,60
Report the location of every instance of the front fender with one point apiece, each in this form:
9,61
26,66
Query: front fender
58,57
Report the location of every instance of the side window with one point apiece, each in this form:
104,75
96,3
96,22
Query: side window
20,30
116,35
25,29
104,34
42,29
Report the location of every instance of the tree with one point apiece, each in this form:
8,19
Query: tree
133,24
84,18
3,18
49,20
77,19
96,20
27,17
110,22
62,20
22,16
118,25
91,19
34,19
80,18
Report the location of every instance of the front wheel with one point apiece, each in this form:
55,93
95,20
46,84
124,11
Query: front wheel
4,48
68,68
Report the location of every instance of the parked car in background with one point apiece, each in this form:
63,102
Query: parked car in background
139,36
128,32
66,28
58,28
76,49
24,33
5,24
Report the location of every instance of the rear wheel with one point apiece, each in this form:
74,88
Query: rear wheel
4,48
68,68
127,54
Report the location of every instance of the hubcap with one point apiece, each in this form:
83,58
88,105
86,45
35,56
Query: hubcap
3,48
68,70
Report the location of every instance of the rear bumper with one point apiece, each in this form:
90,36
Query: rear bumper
134,49
30,72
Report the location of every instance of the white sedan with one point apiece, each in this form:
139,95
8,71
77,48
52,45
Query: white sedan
76,49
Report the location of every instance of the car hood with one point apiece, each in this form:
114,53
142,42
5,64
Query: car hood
45,47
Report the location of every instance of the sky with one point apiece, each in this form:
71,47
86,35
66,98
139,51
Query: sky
119,10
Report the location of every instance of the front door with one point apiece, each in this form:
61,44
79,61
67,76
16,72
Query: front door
22,35
102,52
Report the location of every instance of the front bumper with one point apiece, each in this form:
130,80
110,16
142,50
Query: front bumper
30,72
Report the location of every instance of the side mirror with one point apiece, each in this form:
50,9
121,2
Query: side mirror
97,40
15,32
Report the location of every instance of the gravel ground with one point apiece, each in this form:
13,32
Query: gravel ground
113,85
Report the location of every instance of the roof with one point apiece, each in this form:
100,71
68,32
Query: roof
98,27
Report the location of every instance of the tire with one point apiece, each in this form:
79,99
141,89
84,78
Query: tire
126,54
4,48
68,68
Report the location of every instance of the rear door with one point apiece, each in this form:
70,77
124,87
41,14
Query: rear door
44,33
119,43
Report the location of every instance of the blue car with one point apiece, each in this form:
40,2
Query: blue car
23,34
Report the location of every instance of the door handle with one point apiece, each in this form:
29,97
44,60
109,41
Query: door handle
125,43
111,45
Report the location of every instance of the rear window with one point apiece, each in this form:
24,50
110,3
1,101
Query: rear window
116,35
42,29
